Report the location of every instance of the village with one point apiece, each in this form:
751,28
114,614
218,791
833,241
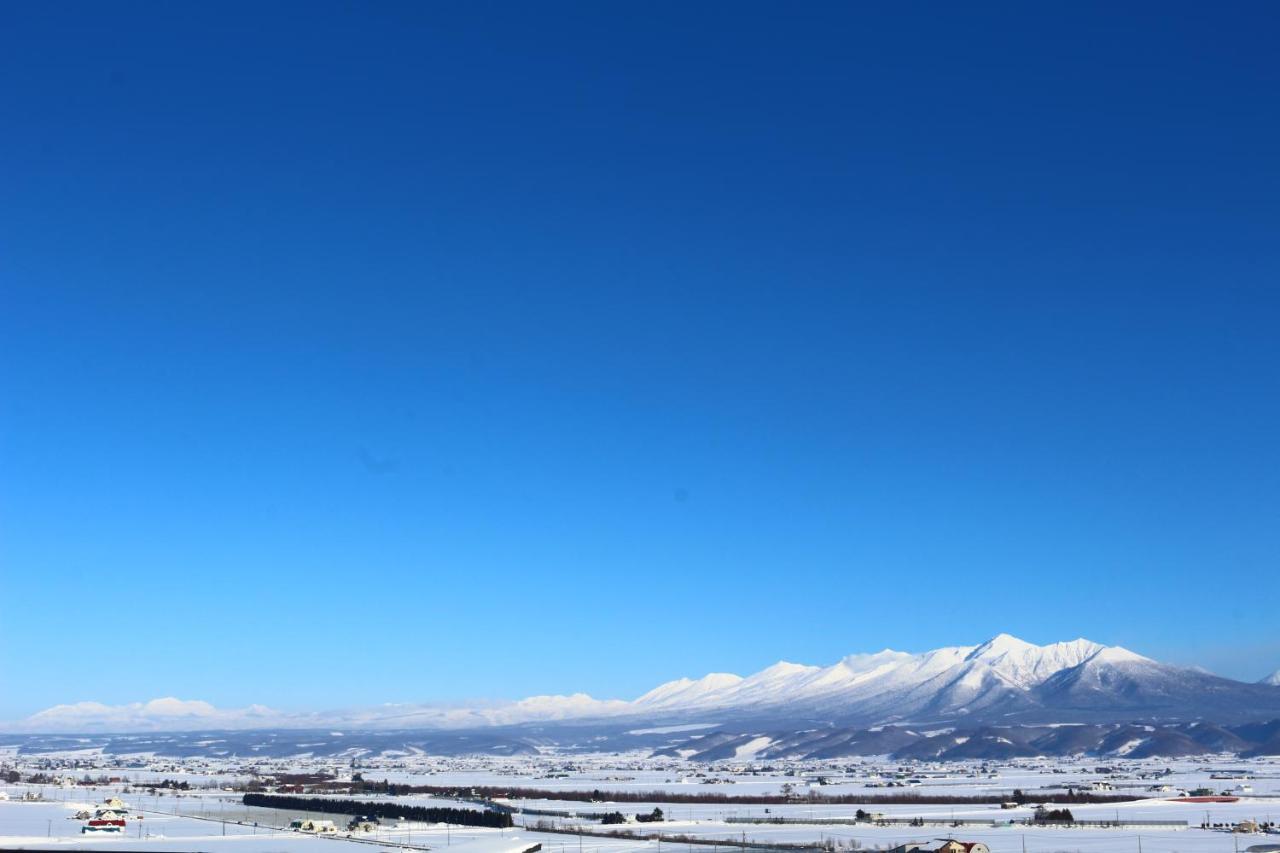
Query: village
625,803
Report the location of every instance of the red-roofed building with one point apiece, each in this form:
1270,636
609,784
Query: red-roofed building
953,846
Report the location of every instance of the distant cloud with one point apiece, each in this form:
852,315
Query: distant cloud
158,714
170,714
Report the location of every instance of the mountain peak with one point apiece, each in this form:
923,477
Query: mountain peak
1024,665
1272,680
1002,644
687,690
1117,654
785,667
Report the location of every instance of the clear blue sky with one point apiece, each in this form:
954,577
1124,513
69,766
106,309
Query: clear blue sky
492,349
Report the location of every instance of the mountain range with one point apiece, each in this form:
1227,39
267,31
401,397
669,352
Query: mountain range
1004,681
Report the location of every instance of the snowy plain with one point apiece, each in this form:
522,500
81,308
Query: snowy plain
209,818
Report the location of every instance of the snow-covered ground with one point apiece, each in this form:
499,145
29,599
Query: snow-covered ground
209,818
52,825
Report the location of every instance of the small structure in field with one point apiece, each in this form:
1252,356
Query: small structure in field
953,846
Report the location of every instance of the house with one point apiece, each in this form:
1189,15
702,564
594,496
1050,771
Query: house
308,825
910,847
114,803
953,846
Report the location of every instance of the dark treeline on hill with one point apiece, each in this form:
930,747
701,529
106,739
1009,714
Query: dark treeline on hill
424,814
598,796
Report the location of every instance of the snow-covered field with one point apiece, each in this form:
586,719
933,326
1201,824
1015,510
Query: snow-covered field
208,817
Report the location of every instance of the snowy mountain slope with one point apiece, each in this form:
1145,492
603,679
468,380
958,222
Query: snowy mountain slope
1272,680
1026,665
686,691
1004,680
1120,682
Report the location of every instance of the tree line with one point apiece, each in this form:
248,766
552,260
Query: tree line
598,796
391,811
654,816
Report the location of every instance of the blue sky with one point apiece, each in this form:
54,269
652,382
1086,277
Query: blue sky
495,349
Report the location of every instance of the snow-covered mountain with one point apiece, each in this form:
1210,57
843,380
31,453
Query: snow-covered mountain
1272,680
1004,680
961,679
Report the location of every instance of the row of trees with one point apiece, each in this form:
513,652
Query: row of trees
1073,795
828,844
598,796
391,811
654,816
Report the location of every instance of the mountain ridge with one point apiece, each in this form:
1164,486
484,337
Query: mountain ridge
1003,679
